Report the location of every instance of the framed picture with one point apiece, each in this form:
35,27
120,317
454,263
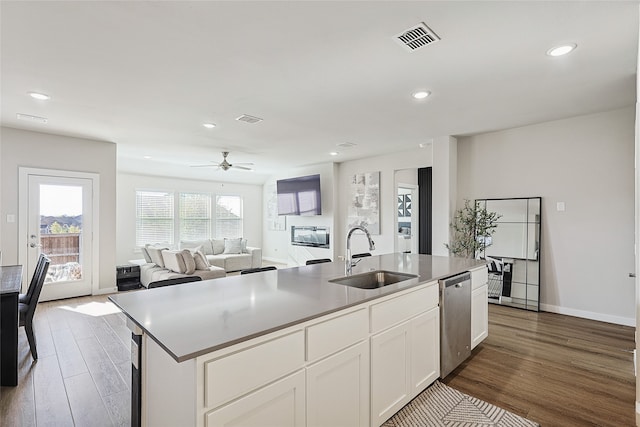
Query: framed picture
364,201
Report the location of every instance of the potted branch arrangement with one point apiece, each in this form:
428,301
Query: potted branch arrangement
471,229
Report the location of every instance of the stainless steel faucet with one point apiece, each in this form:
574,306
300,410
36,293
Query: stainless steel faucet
349,263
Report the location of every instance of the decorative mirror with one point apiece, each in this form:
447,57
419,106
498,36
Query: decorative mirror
513,256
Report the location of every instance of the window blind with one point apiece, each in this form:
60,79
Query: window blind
195,216
154,217
228,216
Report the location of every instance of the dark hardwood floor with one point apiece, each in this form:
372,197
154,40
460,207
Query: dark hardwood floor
553,369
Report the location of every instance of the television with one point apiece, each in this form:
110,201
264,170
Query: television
299,196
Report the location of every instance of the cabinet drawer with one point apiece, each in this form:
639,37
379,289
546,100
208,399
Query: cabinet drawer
259,365
335,334
479,277
279,404
396,310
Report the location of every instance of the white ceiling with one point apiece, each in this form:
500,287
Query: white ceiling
146,75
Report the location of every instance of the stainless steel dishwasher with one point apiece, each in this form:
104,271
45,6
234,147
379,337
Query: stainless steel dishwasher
455,322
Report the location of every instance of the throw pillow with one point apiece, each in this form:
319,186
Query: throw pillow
174,261
244,246
145,254
202,263
155,253
189,261
205,245
218,246
233,246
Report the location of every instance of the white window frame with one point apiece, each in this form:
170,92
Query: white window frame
177,225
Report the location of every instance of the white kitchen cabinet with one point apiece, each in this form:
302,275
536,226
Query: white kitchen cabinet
479,306
405,358
425,350
479,315
338,389
279,404
390,372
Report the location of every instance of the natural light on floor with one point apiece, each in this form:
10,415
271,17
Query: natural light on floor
95,309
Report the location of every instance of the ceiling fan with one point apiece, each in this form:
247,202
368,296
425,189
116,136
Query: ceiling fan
225,165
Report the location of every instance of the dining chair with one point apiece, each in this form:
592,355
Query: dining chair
174,281
258,270
24,298
27,310
362,255
318,261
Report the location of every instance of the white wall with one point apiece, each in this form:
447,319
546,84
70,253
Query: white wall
127,184
278,246
587,251
387,165
445,187
46,151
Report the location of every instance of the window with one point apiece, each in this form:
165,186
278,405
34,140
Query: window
228,216
195,216
167,217
154,217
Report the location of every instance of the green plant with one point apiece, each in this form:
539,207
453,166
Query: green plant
471,230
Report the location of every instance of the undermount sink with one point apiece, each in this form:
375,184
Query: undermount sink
373,279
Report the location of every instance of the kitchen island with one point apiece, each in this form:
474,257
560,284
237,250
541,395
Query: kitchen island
289,347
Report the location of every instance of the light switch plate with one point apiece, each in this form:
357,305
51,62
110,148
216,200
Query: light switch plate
560,206
11,218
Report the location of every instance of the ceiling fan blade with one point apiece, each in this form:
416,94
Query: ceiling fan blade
243,163
205,166
241,167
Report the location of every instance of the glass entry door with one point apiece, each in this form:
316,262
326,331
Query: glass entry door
60,226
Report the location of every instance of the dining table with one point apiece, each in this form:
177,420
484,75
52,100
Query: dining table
10,284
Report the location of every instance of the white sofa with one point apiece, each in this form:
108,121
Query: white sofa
162,264
229,254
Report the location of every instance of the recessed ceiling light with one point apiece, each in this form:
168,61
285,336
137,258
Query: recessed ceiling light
333,153
209,125
561,50
40,96
421,94
147,157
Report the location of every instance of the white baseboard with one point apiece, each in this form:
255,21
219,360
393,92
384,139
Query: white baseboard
103,291
276,260
627,321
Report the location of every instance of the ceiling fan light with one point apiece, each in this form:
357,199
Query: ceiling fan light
421,94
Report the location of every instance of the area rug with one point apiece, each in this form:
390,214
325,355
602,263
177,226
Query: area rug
441,405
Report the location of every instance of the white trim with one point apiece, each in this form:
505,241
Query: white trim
627,321
104,291
23,185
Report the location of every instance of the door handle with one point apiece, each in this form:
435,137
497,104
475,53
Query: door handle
34,245
632,274
33,236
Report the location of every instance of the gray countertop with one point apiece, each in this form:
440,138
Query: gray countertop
196,318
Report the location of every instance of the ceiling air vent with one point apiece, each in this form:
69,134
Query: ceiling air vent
416,37
248,119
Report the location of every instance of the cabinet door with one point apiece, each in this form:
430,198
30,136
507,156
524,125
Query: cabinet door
425,350
280,404
479,315
390,372
338,389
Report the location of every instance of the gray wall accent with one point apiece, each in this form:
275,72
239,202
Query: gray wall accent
47,151
587,162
